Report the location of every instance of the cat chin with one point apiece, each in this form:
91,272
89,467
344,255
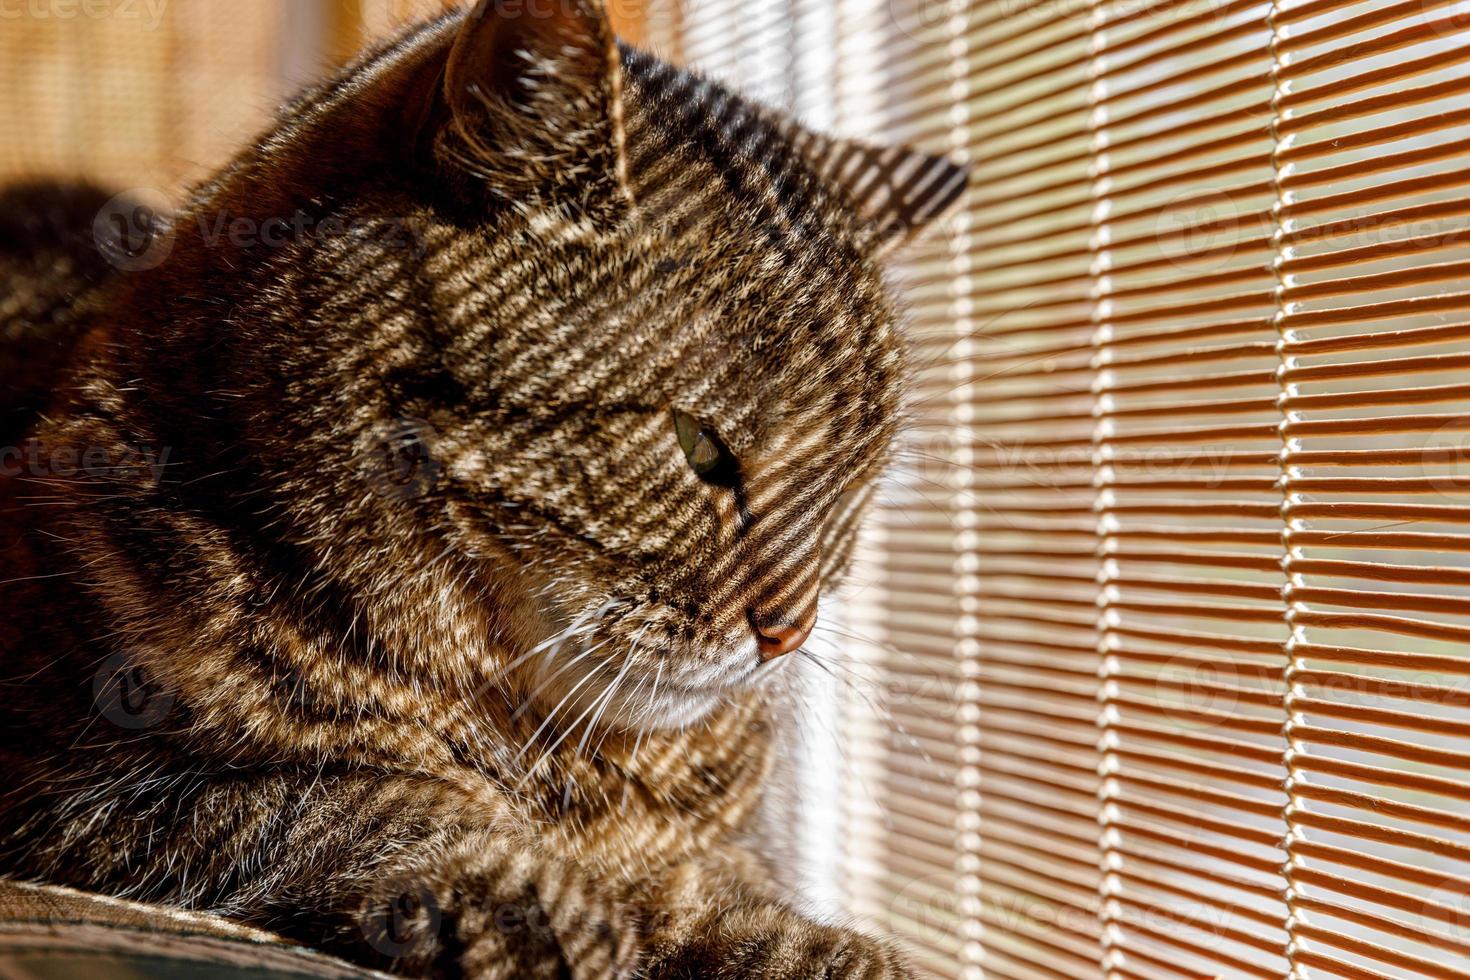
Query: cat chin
669,713
634,708
640,704
679,706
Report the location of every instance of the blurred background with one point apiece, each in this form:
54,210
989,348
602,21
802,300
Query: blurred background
154,93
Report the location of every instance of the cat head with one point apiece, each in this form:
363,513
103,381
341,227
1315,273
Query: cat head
626,355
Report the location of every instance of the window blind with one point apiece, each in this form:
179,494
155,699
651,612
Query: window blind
1167,607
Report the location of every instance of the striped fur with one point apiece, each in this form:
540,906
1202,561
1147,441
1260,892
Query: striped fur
388,613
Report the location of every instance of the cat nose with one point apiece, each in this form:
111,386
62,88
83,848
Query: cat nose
779,634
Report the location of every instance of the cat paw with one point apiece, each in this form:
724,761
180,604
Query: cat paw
820,953
501,916
779,945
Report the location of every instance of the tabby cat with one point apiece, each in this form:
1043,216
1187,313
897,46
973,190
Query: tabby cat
399,544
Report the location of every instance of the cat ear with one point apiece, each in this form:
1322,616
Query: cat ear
898,192
533,91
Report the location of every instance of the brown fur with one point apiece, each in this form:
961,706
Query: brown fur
355,583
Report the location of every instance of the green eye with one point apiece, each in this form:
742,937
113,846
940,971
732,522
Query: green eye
701,446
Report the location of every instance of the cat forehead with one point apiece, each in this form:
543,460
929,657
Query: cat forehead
782,370
699,152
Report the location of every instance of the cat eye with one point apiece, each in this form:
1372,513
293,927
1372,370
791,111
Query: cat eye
707,455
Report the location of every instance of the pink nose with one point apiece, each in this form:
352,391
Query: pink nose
778,637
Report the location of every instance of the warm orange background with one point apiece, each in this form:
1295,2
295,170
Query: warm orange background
155,93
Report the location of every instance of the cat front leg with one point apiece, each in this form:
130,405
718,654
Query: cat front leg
773,942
